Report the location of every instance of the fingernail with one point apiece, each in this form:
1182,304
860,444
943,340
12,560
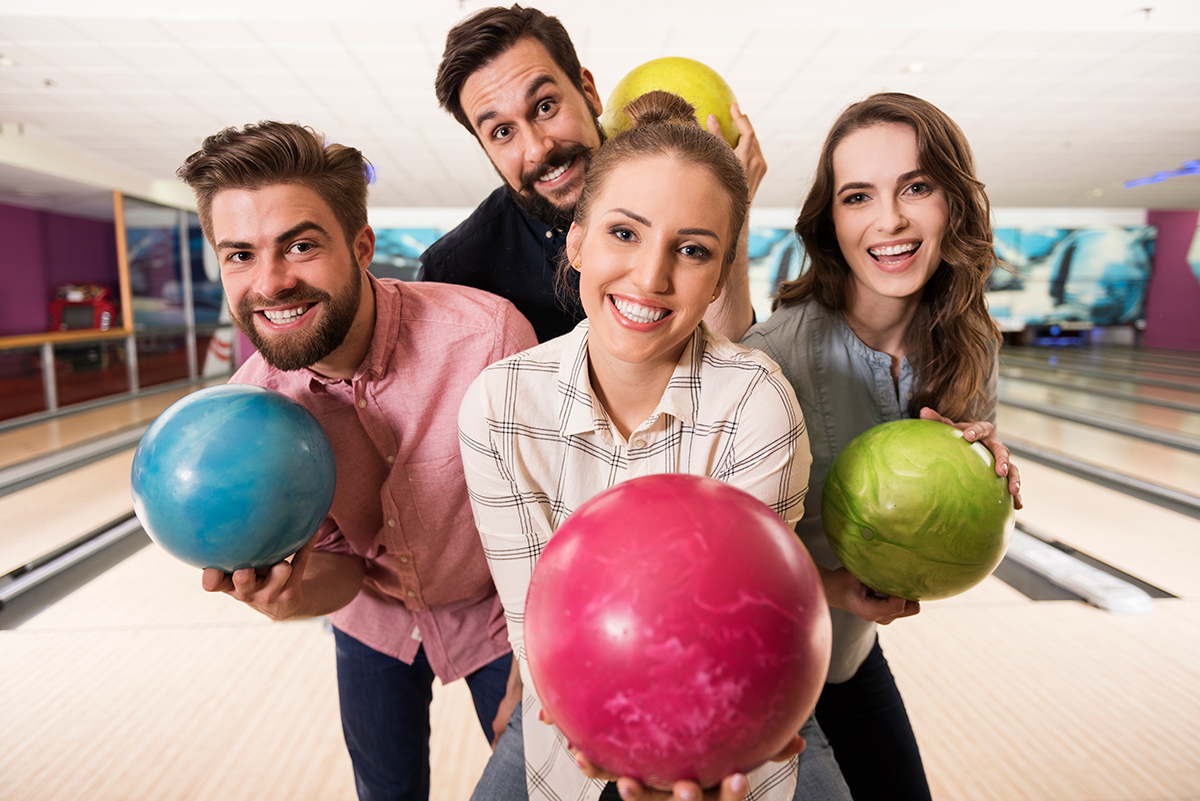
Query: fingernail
542,715
738,783
687,794
1004,468
970,433
579,763
625,791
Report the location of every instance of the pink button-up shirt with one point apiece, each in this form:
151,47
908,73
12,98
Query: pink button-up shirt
401,501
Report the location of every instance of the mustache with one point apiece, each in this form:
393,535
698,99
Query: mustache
557,158
249,303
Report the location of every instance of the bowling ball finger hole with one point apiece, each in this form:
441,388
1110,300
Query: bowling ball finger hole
868,534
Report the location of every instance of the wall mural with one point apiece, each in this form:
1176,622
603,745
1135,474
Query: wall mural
1075,277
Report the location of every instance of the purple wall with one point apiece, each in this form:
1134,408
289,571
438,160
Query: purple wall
23,271
1173,297
41,250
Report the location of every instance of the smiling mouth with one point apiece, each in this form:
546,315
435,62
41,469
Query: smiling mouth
893,254
284,316
637,313
551,175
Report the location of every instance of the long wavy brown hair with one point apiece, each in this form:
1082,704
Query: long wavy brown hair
952,339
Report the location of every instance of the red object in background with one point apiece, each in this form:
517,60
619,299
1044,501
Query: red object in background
82,306
677,629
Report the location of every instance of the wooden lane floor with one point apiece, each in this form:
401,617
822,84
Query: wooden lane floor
22,443
41,519
1113,357
141,686
1159,464
1088,401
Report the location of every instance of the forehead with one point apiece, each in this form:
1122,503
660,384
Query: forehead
880,149
501,86
665,188
243,213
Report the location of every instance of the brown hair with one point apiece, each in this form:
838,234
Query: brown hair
664,124
481,38
269,153
952,336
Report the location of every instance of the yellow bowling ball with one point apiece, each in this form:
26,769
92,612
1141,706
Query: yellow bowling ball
696,83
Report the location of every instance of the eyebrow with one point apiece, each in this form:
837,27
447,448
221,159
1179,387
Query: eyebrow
908,176
681,231
298,228
531,91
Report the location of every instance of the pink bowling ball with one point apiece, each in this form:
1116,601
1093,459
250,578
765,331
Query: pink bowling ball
676,628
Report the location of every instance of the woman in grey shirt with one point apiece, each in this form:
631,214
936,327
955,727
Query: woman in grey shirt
888,321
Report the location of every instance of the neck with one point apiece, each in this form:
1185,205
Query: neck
629,392
344,361
882,323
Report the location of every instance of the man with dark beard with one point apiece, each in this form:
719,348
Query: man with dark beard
512,78
397,566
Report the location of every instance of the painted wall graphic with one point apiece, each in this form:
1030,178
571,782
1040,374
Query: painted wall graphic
1095,275
1193,256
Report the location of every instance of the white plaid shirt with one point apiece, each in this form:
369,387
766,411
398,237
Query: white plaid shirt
536,444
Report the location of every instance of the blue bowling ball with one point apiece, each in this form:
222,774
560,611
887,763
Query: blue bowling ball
233,476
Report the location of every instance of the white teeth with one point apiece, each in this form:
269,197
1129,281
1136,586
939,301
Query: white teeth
893,250
638,314
284,316
557,171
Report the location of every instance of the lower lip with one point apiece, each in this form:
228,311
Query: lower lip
635,326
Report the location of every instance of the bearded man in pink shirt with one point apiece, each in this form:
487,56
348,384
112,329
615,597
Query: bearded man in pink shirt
397,566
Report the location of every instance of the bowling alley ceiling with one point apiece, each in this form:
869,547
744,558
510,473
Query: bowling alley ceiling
1064,101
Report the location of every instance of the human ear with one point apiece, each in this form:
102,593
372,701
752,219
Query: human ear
574,245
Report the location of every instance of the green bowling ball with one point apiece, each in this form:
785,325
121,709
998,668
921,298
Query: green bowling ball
915,511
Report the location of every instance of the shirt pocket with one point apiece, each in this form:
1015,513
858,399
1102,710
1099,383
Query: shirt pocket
439,492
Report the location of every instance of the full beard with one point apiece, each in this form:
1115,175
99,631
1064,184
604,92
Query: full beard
296,350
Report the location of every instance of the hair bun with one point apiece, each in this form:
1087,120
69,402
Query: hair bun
659,106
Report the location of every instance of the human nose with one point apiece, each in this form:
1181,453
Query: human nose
891,216
537,147
273,276
651,272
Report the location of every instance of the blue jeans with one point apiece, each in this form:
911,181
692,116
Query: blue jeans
868,726
385,716
504,777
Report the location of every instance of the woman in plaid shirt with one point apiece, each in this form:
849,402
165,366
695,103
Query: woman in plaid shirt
640,387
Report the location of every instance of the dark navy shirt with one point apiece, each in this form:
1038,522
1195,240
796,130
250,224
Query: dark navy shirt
505,250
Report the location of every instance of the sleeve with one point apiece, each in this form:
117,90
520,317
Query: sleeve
769,454
513,536
516,333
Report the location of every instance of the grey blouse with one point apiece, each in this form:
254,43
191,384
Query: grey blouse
844,388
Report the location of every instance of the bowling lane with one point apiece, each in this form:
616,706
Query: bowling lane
1151,543
1052,701
1166,421
1101,362
25,442
172,693
51,514
1159,464
1186,399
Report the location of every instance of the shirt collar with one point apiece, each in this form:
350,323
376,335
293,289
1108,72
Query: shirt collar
582,413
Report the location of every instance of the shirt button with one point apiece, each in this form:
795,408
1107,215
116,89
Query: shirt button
412,594
391,460
404,560
362,404
549,234
391,522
